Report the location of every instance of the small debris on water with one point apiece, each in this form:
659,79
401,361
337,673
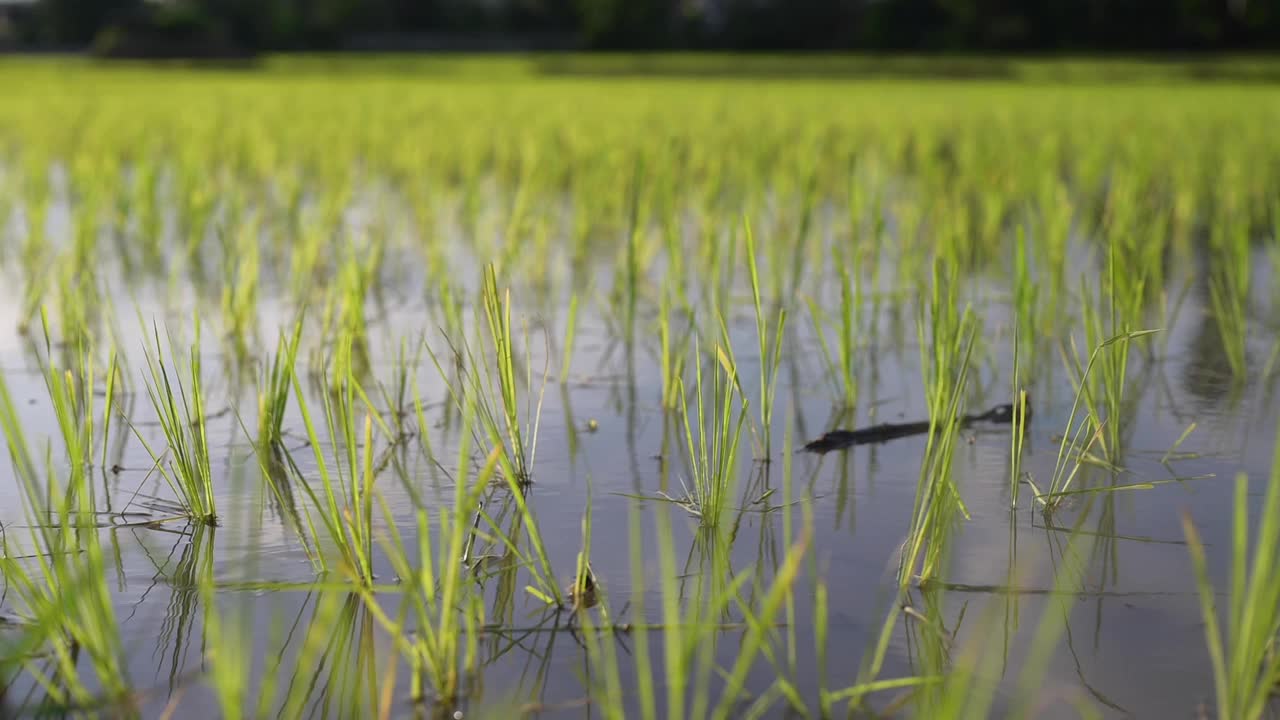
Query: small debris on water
592,425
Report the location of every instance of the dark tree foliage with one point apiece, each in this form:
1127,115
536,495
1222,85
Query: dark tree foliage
923,25
76,22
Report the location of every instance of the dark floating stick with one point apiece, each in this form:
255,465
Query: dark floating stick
841,439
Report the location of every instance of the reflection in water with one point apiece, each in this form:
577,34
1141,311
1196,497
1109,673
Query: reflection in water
183,575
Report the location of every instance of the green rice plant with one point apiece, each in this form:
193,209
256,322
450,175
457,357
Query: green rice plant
274,460
77,294
395,392
1086,432
344,316
584,591
1018,429
1055,208
689,635
1026,297
71,393
569,335
273,400
961,680
713,456
672,353
944,360
58,582
491,407
240,286
840,369
178,398
344,503
446,609
520,441
1105,388
1243,644
1229,273
770,353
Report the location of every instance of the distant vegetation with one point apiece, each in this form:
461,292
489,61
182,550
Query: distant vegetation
921,25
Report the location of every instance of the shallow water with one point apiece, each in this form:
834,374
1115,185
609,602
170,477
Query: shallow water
1134,644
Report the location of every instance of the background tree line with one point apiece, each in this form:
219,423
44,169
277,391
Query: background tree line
922,25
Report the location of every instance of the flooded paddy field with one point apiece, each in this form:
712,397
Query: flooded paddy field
479,388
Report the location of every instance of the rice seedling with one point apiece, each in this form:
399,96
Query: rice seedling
498,399
1068,463
344,503
59,581
273,400
672,353
1242,645
492,407
1229,274
944,362
841,368
584,591
240,287
445,607
1018,430
1026,296
178,400
713,457
1105,389
689,637
570,327
770,353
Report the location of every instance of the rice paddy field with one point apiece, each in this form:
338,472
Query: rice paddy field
468,387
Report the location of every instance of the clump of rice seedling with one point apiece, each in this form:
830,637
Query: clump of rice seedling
1018,431
446,610
713,457
240,286
1229,272
1104,388
521,440
273,400
569,336
1026,297
839,371
490,381
1089,429
672,353
946,372
770,353
690,636
584,591
178,399
59,583
344,316
345,504
492,408
1243,646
